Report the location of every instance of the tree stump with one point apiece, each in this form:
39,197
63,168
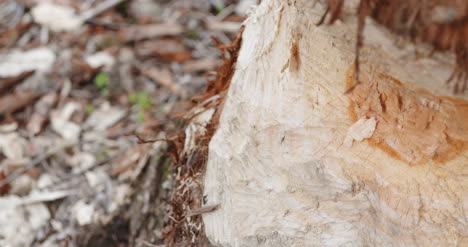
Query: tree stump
296,161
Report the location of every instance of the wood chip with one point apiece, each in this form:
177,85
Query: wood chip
137,33
201,65
224,26
128,162
16,61
362,129
41,113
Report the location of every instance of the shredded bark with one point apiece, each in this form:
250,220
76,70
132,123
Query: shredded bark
6,187
441,23
225,71
185,228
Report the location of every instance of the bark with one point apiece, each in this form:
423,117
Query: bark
297,162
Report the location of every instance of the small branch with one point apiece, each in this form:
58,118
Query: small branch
35,162
202,210
150,244
90,13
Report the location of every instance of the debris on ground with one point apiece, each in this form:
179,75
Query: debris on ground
93,96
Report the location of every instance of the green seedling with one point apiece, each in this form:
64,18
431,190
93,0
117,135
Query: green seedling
140,116
104,152
101,81
142,100
218,7
108,42
193,34
89,108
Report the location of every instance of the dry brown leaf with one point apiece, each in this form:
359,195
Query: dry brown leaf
17,100
5,188
235,18
10,82
165,78
177,56
80,71
167,49
129,164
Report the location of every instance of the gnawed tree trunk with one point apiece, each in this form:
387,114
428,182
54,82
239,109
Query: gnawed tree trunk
297,162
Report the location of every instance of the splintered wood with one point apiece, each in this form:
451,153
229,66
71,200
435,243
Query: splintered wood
443,24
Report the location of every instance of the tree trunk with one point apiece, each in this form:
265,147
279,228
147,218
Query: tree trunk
297,162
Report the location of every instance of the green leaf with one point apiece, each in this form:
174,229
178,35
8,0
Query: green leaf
219,7
140,116
89,108
132,98
105,92
141,99
193,34
144,101
101,80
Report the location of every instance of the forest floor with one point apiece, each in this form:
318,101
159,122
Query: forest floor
92,99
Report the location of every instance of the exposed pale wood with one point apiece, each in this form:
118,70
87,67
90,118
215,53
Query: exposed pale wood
296,162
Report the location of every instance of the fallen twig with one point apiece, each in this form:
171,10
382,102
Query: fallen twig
46,196
90,13
223,26
137,33
69,177
35,162
150,244
201,65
